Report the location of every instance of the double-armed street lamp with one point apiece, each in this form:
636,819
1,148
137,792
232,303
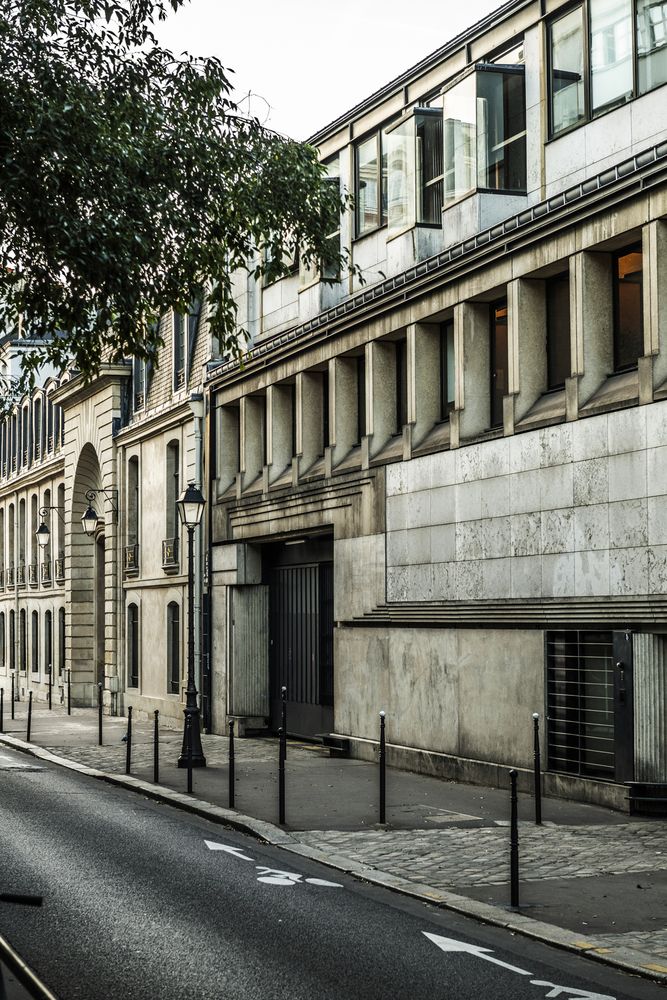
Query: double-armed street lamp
190,510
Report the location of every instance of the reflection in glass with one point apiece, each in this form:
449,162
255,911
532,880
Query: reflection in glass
501,131
414,170
332,270
567,71
459,140
611,52
651,43
367,186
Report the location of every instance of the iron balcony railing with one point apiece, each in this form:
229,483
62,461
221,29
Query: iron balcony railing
60,569
46,571
20,576
33,576
170,560
10,576
131,560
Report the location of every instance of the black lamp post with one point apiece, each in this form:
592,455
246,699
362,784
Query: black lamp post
190,510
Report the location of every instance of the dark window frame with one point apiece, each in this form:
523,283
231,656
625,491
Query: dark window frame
496,419
446,405
133,645
616,332
401,384
173,648
361,397
382,208
553,339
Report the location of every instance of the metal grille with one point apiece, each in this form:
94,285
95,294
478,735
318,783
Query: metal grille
294,610
580,703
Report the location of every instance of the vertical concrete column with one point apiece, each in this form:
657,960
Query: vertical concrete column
650,707
343,403
654,247
252,439
380,393
472,359
279,429
592,321
423,341
526,348
227,446
309,418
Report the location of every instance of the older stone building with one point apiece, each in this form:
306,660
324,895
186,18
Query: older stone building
441,491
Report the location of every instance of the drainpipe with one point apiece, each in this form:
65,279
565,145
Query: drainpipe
196,403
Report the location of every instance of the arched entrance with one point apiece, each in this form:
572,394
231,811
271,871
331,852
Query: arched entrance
86,579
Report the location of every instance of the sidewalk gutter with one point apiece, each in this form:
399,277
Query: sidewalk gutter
629,960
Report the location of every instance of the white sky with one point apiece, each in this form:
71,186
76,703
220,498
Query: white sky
310,60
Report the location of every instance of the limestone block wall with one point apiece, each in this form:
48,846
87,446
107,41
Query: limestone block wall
575,510
468,693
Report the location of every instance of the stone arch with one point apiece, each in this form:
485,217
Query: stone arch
86,574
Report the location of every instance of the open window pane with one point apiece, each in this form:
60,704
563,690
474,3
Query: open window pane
628,313
611,52
459,140
501,131
367,188
651,43
401,209
567,71
414,170
429,157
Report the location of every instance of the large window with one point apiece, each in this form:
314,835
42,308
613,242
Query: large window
558,331
361,397
173,647
370,189
401,348
173,475
602,54
414,170
651,44
23,640
485,132
61,640
628,313
34,643
12,640
179,351
499,361
332,270
2,639
48,642
132,645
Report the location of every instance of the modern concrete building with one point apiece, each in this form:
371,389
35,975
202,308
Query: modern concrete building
442,492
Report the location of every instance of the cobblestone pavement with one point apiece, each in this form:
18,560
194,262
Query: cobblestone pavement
456,857
650,942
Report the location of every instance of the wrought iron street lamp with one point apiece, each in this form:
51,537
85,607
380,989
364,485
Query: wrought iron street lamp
43,534
89,519
190,510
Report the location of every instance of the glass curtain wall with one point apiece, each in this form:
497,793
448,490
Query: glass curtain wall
611,52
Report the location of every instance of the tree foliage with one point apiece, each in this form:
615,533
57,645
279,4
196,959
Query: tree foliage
129,182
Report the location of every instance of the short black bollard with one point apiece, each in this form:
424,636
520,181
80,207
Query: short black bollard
156,748
69,692
128,741
514,842
99,714
50,687
281,775
383,774
27,738
283,714
188,737
231,764
12,696
537,783
2,710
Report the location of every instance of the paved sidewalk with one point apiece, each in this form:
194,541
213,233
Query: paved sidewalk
591,879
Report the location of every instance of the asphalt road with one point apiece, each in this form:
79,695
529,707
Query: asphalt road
144,901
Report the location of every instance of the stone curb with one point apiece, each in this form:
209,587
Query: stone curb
626,959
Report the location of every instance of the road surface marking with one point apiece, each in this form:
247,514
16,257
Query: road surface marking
449,944
570,991
236,851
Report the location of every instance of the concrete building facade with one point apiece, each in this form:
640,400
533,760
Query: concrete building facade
439,491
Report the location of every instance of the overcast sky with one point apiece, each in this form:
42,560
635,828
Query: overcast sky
310,61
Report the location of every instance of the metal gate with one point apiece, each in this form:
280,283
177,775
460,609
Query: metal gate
301,647
589,703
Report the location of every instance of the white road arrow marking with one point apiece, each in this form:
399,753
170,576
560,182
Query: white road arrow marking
323,881
570,991
236,851
449,944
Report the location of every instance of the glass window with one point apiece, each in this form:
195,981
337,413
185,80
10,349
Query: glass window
446,369
628,308
133,501
459,140
138,383
61,640
48,641
371,185
133,645
173,478
332,270
173,647
179,351
558,331
651,43
2,638
611,52
499,361
567,71
12,641
414,170
501,131
34,660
